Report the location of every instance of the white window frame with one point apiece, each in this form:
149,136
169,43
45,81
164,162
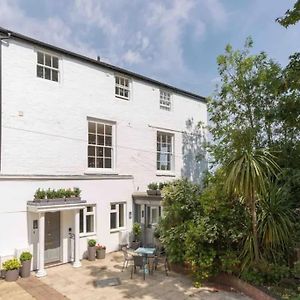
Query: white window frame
85,214
113,147
117,211
44,66
172,153
118,86
165,100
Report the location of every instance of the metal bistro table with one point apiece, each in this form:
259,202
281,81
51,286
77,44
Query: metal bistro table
145,252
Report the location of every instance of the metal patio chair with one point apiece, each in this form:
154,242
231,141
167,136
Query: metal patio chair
127,257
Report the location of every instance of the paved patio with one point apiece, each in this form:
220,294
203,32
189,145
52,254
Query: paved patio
79,283
65,282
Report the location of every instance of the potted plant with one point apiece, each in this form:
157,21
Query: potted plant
91,250
100,251
11,268
25,259
152,188
137,231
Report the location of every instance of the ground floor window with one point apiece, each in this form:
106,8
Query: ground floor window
87,220
117,215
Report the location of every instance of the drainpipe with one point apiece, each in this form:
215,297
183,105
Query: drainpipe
1,39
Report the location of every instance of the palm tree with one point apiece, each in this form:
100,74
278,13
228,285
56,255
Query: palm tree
248,175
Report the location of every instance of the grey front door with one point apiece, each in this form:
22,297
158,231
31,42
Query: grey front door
52,237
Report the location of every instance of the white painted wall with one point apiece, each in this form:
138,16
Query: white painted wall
51,135
45,133
16,231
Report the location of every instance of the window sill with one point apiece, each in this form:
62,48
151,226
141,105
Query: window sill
117,230
165,173
82,235
96,171
123,98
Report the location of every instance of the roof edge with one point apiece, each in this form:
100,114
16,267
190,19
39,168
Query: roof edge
101,64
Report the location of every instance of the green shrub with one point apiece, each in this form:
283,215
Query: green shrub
137,231
92,243
11,264
68,193
76,191
25,256
153,186
50,194
40,194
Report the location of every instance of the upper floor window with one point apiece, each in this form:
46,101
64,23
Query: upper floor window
165,100
122,88
165,151
100,145
47,66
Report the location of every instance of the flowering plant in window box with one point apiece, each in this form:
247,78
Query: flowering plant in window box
100,251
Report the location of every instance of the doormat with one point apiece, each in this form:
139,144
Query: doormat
107,282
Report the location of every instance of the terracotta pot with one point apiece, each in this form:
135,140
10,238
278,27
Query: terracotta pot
12,275
100,253
25,269
92,253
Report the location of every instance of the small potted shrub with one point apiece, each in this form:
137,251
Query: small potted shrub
152,188
76,193
137,232
12,269
91,250
25,259
100,251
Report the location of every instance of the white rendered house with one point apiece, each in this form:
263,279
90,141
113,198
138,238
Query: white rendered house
71,121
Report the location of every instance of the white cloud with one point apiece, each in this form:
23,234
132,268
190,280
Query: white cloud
132,57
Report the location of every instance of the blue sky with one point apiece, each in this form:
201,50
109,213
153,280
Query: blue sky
176,41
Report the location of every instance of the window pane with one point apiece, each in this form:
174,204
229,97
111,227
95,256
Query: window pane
100,140
117,80
99,152
40,58
91,151
89,208
91,162
55,62
121,215
92,127
154,219
39,71
107,152
92,139
81,221
47,60
100,128
100,163
113,220
113,206
90,223
107,163
108,140
47,73
108,130
55,75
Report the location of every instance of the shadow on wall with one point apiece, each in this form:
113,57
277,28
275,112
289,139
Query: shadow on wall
193,152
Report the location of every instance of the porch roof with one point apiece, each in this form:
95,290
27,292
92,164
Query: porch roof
50,206
144,198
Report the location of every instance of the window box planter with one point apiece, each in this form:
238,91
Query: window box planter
153,192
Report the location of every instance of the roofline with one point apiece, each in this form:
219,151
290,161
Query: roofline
101,64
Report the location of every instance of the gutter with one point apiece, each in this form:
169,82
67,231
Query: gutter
1,39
